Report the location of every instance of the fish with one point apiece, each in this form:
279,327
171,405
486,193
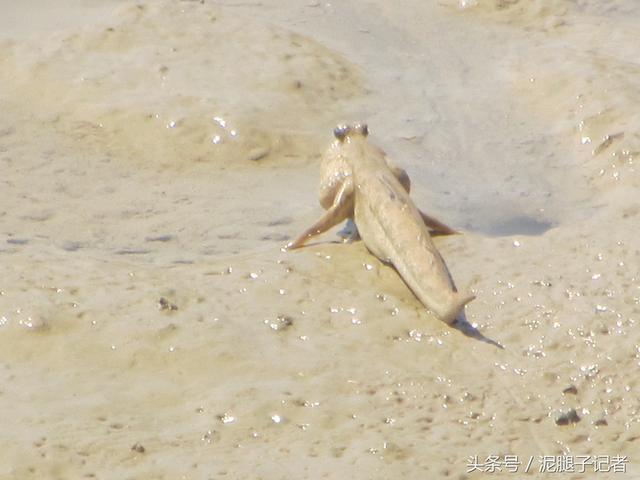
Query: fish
359,182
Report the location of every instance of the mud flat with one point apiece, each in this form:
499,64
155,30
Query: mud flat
154,157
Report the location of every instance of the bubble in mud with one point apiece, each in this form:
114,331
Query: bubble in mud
220,121
226,418
33,323
210,436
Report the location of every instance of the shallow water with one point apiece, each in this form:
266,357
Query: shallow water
155,157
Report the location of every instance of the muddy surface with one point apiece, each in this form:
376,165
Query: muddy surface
154,157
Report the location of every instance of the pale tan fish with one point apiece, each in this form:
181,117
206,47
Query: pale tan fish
361,182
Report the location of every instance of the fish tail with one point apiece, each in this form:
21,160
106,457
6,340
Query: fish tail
457,307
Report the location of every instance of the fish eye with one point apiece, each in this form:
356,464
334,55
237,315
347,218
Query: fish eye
341,131
364,129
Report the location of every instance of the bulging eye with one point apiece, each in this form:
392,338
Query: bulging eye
341,131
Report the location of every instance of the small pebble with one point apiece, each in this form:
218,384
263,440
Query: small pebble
566,418
164,304
137,447
282,322
258,153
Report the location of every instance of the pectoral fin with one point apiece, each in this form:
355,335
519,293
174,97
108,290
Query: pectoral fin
341,209
436,227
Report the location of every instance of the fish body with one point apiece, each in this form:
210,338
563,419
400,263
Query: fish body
392,228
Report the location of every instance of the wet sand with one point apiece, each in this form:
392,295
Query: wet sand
155,157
